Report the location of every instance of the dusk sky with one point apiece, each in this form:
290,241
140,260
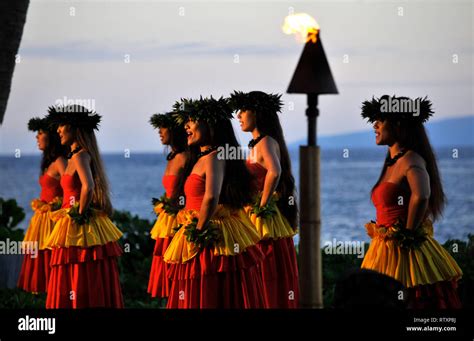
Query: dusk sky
79,50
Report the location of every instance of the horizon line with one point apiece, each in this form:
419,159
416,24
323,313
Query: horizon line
291,147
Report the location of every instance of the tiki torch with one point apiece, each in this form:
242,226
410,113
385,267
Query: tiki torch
311,77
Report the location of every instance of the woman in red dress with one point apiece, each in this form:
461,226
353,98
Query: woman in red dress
84,269
408,196
166,208
34,274
214,255
274,213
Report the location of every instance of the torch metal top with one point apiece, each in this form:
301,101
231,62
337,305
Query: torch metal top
313,74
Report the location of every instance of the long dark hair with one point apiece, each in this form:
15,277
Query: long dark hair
101,193
268,124
179,143
178,140
53,150
193,152
237,180
412,136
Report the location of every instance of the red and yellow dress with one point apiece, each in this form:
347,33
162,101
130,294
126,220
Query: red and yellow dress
428,272
224,275
163,231
279,269
84,269
34,274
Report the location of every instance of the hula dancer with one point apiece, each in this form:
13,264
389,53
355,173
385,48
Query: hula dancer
84,244
214,255
274,212
408,196
166,208
35,270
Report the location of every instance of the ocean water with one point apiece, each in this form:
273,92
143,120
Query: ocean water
345,188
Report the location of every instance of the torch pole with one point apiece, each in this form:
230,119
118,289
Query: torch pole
310,264
312,113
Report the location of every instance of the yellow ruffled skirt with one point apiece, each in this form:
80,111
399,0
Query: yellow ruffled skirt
428,264
279,269
41,225
84,262
224,275
35,269
235,227
164,226
66,233
273,227
163,231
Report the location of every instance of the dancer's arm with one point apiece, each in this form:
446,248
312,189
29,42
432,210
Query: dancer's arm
419,182
214,172
82,164
268,149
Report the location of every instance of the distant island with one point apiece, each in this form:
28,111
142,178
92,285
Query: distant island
453,132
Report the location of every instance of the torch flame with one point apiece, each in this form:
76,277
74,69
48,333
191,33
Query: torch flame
303,25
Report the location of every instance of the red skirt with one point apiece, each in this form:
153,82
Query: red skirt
34,274
209,282
439,295
279,271
159,284
85,277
